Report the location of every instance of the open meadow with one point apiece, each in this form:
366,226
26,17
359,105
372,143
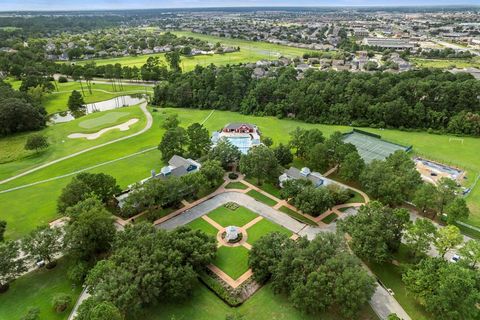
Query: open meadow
446,63
123,161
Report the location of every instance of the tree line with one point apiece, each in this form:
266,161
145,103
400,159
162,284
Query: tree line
424,99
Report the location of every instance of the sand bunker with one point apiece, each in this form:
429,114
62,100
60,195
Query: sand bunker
92,136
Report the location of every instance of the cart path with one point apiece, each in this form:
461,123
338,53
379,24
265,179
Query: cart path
148,125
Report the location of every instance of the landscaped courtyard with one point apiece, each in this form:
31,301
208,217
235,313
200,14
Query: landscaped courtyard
232,258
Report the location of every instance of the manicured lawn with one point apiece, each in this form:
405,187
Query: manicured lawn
297,216
271,188
226,217
13,153
264,227
261,197
109,118
391,277
236,185
232,260
328,219
263,305
357,198
200,224
37,289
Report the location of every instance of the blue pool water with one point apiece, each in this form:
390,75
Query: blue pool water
242,143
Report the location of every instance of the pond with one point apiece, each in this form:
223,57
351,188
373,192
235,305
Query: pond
115,103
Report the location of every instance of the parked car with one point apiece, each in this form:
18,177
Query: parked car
455,258
40,263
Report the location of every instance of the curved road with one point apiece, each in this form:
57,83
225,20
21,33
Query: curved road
143,106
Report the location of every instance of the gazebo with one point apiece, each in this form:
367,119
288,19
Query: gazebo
231,233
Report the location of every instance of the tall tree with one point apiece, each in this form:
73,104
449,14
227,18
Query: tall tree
76,104
447,189
90,230
11,264
225,152
470,253
457,209
448,290
376,230
85,185
173,59
447,238
425,197
43,243
172,143
351,166
198,140
283,154
260,163
419,236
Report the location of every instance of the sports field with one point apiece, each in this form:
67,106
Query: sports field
372,147
23,216
250,51
446,63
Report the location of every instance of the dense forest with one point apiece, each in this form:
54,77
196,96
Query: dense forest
425,99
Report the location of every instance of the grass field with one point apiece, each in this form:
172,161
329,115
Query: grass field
297,216
14,155
391,276
329,219
446,63
261,197
264,227
226,217
236,185
23,216
200,224
37,289
250,51
232,260
263,305
271,188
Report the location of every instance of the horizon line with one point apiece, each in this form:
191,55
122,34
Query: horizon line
453,5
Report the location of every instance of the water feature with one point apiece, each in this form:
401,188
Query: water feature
115,103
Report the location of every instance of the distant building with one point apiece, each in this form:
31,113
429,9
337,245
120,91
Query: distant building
242,135
389,43
360,32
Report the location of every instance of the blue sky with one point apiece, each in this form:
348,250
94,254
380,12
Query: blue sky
6,5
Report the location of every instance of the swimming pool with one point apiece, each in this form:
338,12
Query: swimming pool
242,143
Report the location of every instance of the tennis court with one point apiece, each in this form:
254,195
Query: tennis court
371,146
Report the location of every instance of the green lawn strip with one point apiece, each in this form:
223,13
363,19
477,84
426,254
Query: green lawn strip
344,209
200,224
264,227
267,187
261,197
232,260
474,234
226,217
103,119
37,289
297,216
329,219
236,185
263,305
391,276
357,198
446,63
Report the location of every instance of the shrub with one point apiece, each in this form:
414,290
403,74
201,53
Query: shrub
61,302
229,298
232,175
32,314
231,205
62,79
78,272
